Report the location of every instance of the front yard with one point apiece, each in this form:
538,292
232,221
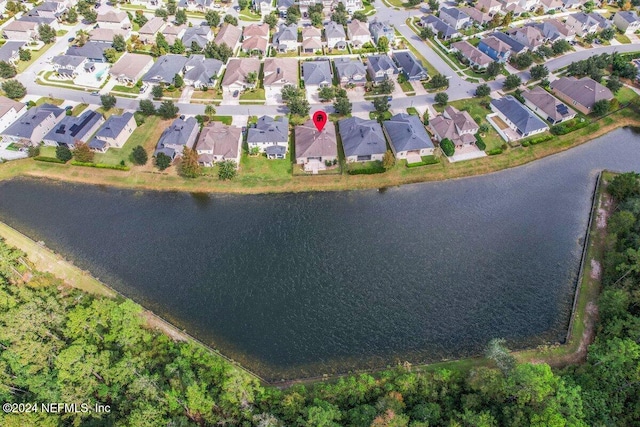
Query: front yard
252,95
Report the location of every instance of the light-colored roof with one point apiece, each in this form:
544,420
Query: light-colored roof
406,132
7,104
20,26
229,35
357,28
311,143
238,69
106,34
471,53
584,91
130,65
255,43
223,140
112,16
548,103
256,30
152,26
311,32
280,71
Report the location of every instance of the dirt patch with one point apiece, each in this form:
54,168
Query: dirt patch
596,270
603,211
154,322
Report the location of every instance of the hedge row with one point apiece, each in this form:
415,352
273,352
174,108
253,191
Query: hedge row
480,142
564,128
538,140
430,160
100,165
48,159
494,152
367,171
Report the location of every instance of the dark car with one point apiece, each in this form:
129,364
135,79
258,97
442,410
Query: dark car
235,93
71,39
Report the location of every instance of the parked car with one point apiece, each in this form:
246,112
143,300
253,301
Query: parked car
235,93
95,93
71,39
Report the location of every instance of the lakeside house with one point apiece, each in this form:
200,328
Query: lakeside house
362,140
34,124
219,142
181,133
582,93
10,110
547,106
408,138
315,148
519,119
270,136
457,126
71,130
114,133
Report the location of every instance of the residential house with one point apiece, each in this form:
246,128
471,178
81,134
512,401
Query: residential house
316,75
547,106
255,38
165,68
379,29
456,126
20,30
515,46
627,21
516,7
10,111
488,6
440,28
278,73
201,72
455,17
34,124
381,67
358,33
267,133
350,71
286,39
583,23
553,30
572,4
315,148
71,130
352,5
263,6
282,6
182,133
409,65
131,67
69,67
148,4
407,136
362,140
237,74
10,51
311,40
49,9
92,50
41,20
335,35
107,34
473,56
200,35
551,5
529,36
518,117
196,5
173,32
229,35
581,94
114,20
495,49
114,133
219,142
148,32
481,18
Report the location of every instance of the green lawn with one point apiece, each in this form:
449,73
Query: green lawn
625,95
47,100
61,33
253,95
259,167
374,115
146,135
412,111
126,89
35,54
79,109
407,87
206,94
109,113
224,119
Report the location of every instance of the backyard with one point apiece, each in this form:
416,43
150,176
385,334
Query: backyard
146,135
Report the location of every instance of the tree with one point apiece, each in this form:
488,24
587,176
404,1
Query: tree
447,147
511,82
7,70
72,16
140,19
523,60
483,90
614,84
108,101
181,17
386,86
426,33
293,15
271,20
624,185
178,82
162,13
119,44
161,42
139,155
383,44
46,33
111,55
82,152
442,98
243,4
494,68
163,161
168,110
227,170
178,47
545,51
210,110
24,54
81,37
63,153
560,46
213,18
172,7
189,166
497,352
229,19
607,34
326,93
252,77
602,107
438,81
157,92
589,6
434,5
90,16
340,15
508,18
221,52
146,107
14,89
289,91
414,2
359,15
539,72
342,105
316,19
299,105
388,160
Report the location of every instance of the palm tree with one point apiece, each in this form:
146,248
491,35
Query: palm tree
210,110
81,37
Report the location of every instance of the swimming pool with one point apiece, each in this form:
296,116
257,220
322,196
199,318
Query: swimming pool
100,73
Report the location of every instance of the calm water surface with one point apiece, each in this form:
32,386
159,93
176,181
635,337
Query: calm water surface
297,285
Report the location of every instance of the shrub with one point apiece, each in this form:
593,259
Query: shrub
371,169
119,167
48,159
163,161
63,153
494,152
539,139
447,147
139,155
480,142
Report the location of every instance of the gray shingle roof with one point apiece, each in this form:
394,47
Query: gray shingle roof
584,91
24,126
201,69
439,26
316,72
196,34
348,67
516,47
269,130
454,12
165,69
114,126
382,62
406,132
91,49
518,114
10,49
68,61
176,134
361,137
629,16
72,128
410,65
286,33
334,30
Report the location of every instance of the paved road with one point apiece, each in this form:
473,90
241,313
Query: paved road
565,60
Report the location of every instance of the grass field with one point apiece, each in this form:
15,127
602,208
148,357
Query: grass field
625,95
253,95
622,38
35,55
126,89
146,135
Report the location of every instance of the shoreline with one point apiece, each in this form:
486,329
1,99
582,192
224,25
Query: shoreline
580,328
140,180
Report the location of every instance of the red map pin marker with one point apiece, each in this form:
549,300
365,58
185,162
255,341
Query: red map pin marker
320,119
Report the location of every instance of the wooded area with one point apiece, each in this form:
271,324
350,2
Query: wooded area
58,344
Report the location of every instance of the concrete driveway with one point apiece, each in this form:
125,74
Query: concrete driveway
7,154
